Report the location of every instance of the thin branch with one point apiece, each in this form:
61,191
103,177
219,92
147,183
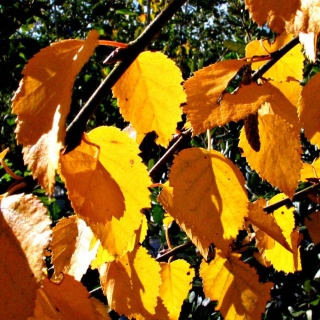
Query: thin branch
172,252
287,200
275,56
77,126
164,159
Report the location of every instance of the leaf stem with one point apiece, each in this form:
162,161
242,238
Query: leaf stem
77,126
270,208
172,252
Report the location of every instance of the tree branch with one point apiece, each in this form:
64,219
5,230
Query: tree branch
77,126
275,56
173,251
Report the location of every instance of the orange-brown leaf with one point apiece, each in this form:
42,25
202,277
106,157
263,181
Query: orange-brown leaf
70,246
202,200
289,66
312,222
16,277
30,223
236,286
270,162
308,110
131,284
176,282
273,12
100,198
204,90
149,95
42,104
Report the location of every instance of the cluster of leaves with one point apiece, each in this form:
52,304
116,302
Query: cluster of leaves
204,194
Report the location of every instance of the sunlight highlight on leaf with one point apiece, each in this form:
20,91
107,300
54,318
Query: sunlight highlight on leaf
42,104
236,286
149,95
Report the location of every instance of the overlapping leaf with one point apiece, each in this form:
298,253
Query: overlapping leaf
289,66
28,219
71,247
149,95
118,156
281,258
236,286
67,300
176,282
42,103
312,222
131,284
202,200
273,12
309,109
204,90
269,162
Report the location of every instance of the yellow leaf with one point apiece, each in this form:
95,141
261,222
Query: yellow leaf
100,198
30,223
310,170
204,90
270,162
4,153
202,200
266,222
66,300
16,277
42,104
70,246
176,282
281,258
273,12
308,110
312,222
236,286
131,284
289,66
150,94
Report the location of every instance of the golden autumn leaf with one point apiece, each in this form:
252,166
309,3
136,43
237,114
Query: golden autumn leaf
273,12
118,157
306,25
149,95
312,222
16,277
66,300
30,223
266,222
131,284
204,90
176,282
308,110
310,170
100,198
42,104
289,66
236,286
281,258
269,162
71,247
202,200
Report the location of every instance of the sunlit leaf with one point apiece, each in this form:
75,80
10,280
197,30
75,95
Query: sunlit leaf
70,246
149,95
131,284
176,282
273,12
202,200
30,223
289,66
308,110
42,104
16,277
270,162
310,170
236,286
204,90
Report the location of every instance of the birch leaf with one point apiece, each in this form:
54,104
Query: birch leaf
42,104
